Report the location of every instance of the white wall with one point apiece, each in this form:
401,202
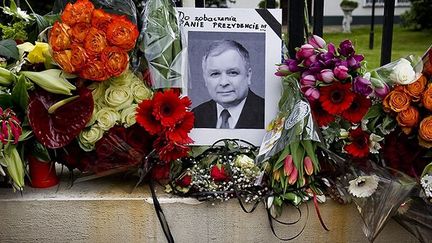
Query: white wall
238,4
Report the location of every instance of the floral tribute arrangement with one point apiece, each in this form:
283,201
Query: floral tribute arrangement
84,97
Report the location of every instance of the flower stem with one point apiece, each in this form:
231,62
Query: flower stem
57,105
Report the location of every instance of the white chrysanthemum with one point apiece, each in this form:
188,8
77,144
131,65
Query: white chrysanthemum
426,182
363,186
18,13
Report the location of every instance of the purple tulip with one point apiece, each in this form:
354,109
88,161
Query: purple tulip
308,61
308,81
311,93
346,48
326,75
362,86
341,72
292,65
305,51
317,41
354,61
316,67
383,91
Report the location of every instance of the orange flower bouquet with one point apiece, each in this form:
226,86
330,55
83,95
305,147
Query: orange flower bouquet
92,43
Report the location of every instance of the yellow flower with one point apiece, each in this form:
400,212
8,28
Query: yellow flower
39,53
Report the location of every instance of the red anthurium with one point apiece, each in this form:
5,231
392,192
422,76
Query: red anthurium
65,123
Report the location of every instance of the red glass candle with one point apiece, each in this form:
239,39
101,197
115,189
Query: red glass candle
42,174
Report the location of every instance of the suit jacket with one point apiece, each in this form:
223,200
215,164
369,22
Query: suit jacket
252,115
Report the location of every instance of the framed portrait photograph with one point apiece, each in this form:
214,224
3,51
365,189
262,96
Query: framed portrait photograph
229,73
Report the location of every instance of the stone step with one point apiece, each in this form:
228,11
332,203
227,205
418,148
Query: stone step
110,210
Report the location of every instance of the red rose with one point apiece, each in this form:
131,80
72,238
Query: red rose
185,181
218,173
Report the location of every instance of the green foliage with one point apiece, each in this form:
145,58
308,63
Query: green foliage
9,49
263,4
17,31
348,4
419,16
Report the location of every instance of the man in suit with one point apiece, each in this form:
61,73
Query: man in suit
227,74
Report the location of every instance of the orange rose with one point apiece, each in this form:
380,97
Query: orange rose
427,98
94,70
95,41
425,132
396,101
79,57
63,59
80,31
100,19
416,89
408,118
79,12
122,33
59,37
116,60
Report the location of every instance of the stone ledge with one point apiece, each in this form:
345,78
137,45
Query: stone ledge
108,210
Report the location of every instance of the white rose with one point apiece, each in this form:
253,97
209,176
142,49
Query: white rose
403,73
89,136
128,116
244,162
106,118
98,91
118,97
124,79
140,91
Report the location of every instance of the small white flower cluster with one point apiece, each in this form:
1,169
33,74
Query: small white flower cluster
426,182
242,174
115,103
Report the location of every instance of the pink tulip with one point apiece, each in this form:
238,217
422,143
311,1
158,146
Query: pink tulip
288,165
308,61
317,41
308,81
383,91
293,176
305,51
326,75
282,70
311,93
308,166
341,72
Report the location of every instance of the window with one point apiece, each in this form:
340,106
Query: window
381,3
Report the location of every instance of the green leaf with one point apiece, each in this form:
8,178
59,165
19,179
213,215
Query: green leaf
19,93
310,148
13,6
8,49
374,111
40,152
15,166
279,163
6,101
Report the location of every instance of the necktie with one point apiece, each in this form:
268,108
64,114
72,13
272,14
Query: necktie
225,115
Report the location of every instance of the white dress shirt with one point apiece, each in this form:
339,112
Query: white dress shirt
234,111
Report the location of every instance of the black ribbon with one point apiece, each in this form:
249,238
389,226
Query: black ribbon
274,24
271,219
160,214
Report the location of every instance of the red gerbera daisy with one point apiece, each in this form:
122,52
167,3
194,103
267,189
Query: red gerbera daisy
145,118
168,108
322,117
168,150
359,146
179,133
358,108
336,98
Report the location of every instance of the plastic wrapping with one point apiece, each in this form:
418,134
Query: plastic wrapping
294,122
162,44
415,215
378,193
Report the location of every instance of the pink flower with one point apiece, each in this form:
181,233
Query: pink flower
341,72
308,81
293,176
317,41
288,165
326,75
308,166
308,61
282,70
382,91
311,93
305,51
